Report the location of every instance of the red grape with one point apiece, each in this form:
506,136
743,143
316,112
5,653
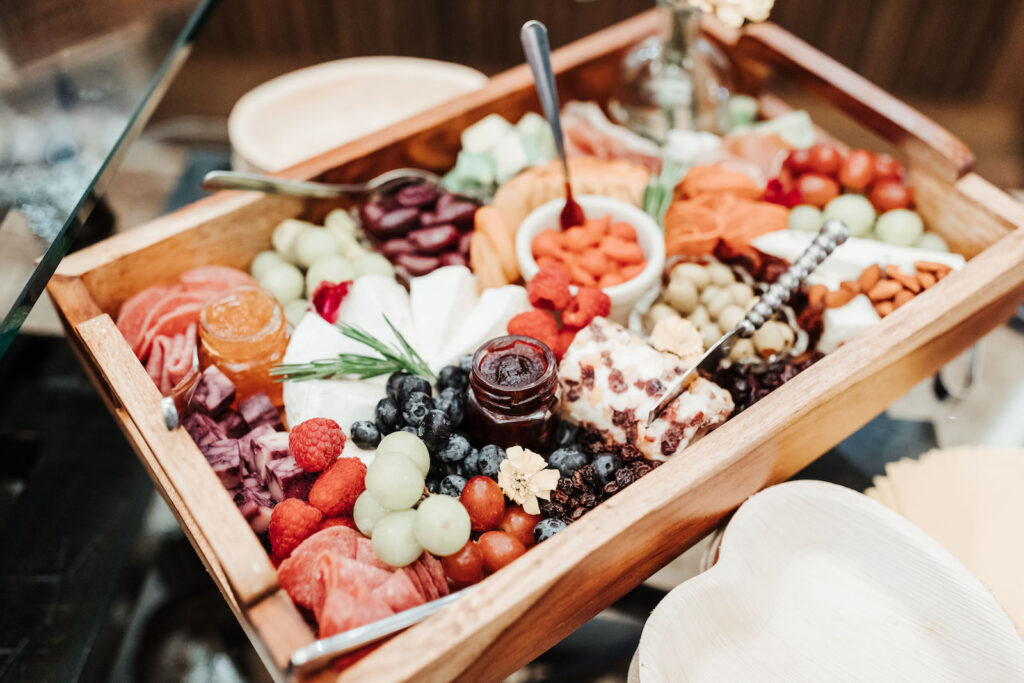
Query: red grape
858,170
887,167
824,159
890,194
484,502
465,567
519,524
499,548
817,189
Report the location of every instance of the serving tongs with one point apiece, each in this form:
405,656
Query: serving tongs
833,233
257,182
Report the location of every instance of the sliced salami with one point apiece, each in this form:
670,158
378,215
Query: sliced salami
436,571
399,592
297,573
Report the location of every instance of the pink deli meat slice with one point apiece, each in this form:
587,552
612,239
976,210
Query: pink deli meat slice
334,573
296,573
349,607
365,554
417,583
170,324
399,592
131,318
436,571
426,580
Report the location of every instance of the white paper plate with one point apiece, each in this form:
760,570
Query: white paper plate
303,113
815,582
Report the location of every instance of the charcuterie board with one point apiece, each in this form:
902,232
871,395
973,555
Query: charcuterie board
519,611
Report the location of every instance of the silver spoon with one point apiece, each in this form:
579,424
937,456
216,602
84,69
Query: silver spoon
235,180
534,36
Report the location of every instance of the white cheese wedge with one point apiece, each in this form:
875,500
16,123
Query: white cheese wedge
440,302
369,300
843,323
850,259
488,319
485,133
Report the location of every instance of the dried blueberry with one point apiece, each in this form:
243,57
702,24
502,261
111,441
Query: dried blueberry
410,429
415,408
395,382
412,384
435,430
452,376
470,465
605,465
546,528
455,450
433,483
365,434
451,401
567,460
452,485
387,416
466,363
490,460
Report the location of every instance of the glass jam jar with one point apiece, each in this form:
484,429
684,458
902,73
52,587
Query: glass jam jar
244,333
513,393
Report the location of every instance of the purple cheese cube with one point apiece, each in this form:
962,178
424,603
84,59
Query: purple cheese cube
232,424
203,429
285,479
255,504
225,459
245,446
213,393
258,409
265,449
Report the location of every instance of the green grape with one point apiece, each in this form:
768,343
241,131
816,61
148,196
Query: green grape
372,263
854,210
367,512
330,268
285,235
284,281
933,241
264,261
295,311
442,525
394,540
805,218
314,244
394,480
409,445
901,227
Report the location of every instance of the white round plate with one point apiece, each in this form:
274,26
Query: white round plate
306,112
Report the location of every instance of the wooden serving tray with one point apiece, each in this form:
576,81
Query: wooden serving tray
540,598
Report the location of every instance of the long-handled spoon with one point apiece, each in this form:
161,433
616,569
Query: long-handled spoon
534,36
235,180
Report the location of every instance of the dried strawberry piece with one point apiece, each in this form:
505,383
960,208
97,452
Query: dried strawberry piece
589,303
328,297
776,193
537,324
549,288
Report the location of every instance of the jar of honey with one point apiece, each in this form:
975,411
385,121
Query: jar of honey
513,393
244,333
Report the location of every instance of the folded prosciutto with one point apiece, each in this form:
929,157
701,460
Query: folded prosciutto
610,379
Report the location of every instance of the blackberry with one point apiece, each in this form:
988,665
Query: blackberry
365,434
567,460
416,407
395,382
387,416
452,402
546,528
605,464
455,450
452,485
490,460
435,430
412,384
452,377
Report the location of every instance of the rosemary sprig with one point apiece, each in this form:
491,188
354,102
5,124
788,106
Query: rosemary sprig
393,358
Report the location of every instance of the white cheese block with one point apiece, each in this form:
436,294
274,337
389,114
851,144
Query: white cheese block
370,299
441,302
845,322
488,319
485,133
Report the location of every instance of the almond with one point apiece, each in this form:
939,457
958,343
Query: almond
884,308
886,289
926,279
932,267
902,298
905,279
838,298
850,286
816,296
869,278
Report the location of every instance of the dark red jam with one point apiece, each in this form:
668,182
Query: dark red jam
513,393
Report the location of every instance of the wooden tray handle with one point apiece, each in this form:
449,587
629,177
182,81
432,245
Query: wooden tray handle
861,99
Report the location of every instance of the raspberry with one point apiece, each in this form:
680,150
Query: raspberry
335,491
292,522
537,324
316,443
589,303
328,297
338,521
549,288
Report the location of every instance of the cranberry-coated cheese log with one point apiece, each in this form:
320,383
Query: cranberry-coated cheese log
610,378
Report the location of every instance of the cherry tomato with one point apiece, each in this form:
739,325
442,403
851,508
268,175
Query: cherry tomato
890,194
817,189
484,502
825,159
499,549
858,170
887,167
465,567
798,161
519,524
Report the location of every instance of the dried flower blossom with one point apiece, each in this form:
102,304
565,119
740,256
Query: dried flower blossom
735,12
523,478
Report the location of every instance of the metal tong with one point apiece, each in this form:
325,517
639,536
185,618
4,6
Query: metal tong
236,180
833,233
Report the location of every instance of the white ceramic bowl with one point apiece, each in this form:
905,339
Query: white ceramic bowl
648,235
